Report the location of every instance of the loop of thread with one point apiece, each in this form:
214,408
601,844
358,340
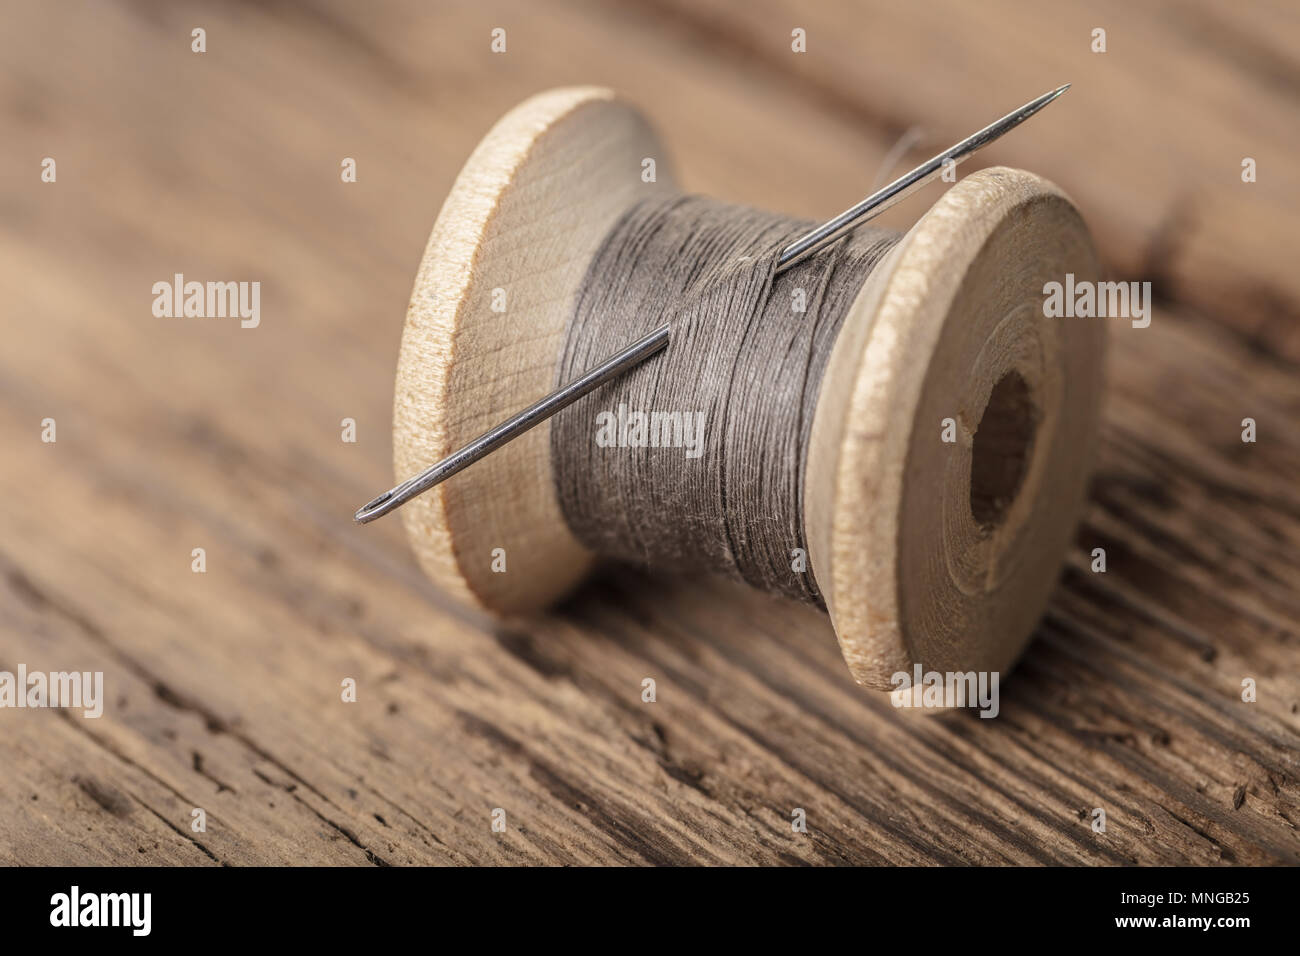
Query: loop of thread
710,475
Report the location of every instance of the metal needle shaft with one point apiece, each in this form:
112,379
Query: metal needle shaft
534,414
905,185
799,250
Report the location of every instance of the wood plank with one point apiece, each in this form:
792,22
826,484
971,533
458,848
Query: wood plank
181,434
1120,702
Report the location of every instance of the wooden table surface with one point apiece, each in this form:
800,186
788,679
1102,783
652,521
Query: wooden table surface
223,688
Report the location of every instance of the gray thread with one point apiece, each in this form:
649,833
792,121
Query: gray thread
739,353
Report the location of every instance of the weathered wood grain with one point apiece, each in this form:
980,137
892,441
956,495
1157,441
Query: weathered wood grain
1150,144
175,434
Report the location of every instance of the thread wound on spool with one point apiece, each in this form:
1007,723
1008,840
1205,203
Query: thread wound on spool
742,377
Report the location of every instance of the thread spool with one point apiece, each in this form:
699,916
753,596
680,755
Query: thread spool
925,552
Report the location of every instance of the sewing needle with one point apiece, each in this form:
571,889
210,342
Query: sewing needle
806,245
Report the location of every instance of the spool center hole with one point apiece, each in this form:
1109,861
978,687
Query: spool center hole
1000,454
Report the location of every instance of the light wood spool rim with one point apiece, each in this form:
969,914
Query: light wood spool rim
526,215
908,572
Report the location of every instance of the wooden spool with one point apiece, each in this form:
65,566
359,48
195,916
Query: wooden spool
926,551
